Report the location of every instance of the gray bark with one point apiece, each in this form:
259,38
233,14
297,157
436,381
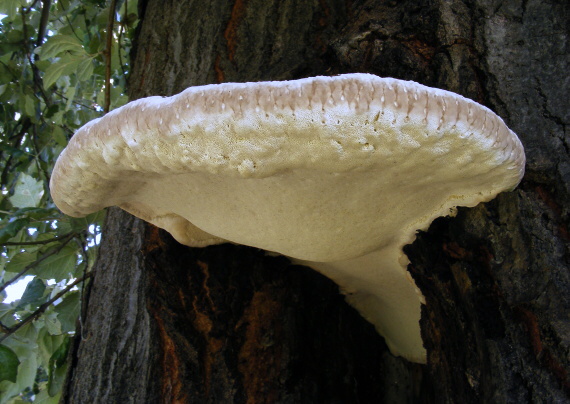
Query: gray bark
167,323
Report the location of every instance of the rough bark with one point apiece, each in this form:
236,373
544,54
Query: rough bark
166,323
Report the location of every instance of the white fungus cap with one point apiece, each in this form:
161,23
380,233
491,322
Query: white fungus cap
323,169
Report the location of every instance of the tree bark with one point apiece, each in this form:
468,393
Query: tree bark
225,324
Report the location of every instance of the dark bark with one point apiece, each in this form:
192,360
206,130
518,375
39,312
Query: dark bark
166,323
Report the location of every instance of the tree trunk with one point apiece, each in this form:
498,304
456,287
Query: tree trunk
225,324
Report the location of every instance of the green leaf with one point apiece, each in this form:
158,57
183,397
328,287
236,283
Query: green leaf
21,260
70,95
53,325
47,344
30,105
59,44
85,69
58,266
59,117
60,355
65,66
28,192
12,228
57,368
7,312
10,7
58,135
33,293
8,364
43,397
27,371
68,311
14,153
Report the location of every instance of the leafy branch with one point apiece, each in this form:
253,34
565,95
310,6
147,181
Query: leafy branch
64,242
40,310
55,59
37,242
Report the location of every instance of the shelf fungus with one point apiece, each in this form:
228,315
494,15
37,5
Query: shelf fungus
337,173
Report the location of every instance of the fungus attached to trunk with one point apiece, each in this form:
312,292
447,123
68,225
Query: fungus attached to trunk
337,173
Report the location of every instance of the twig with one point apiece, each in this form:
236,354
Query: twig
17,139
11,330
41,169
108,49
38,81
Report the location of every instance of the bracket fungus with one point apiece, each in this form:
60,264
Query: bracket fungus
337,173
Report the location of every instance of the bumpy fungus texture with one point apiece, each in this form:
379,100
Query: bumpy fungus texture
335,172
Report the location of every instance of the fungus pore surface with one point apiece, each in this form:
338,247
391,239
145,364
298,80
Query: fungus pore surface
335,172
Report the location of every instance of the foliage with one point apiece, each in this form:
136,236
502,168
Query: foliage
56,69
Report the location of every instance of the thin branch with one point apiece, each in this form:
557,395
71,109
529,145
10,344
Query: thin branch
75,102
11,330
37,79
46,241
37,152
120,38
46,4
36,262
17,139
108,49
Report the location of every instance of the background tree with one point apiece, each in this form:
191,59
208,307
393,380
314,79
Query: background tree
167,323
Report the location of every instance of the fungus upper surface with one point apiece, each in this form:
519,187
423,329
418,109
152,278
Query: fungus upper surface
321,169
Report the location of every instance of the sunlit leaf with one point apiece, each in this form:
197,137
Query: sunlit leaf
27,371
65,66
85,69
28,192
59,44
52,323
